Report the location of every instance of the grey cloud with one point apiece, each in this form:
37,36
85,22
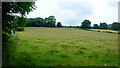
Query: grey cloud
81,10
77,7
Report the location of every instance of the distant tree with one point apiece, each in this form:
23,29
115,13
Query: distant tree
31,22
116,25
51,21
59,24
86,24
40,22
77,26
103,26
95,26
46,22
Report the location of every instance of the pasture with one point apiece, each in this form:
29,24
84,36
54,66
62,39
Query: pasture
42,46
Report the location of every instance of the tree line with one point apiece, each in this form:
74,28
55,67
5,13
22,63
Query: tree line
113,26
86,24
41,22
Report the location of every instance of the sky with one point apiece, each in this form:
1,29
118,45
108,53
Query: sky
73,12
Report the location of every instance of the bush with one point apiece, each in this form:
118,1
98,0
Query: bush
8,50
20,29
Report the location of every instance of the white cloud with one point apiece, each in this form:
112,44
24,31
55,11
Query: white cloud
73,12
104,11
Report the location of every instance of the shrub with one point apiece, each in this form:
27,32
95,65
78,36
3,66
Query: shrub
20,29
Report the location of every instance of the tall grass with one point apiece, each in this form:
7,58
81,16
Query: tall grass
40,46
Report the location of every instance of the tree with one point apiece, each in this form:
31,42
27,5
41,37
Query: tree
9,9
86,24
40,22
51,21
31,22
95,26
59,24
115,26
103,26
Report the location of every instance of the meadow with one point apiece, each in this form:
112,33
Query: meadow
42,46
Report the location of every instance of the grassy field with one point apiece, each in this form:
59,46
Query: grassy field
40,46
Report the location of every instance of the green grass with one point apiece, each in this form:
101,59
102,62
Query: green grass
40,46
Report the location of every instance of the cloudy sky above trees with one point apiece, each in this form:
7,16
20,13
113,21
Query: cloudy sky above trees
73,12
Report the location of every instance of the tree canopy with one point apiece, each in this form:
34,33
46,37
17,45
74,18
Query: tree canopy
10,22
41,22
59,24
103,26
95,26
86,24
9,9
115,26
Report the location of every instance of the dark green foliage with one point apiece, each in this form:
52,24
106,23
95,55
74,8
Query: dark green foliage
8,49
95,26
72,26
10,22
20,29
103,26
21,22
51,21
40,22
59,24
35,22
9,8
86,24
116,26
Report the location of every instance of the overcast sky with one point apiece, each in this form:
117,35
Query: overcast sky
73,12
